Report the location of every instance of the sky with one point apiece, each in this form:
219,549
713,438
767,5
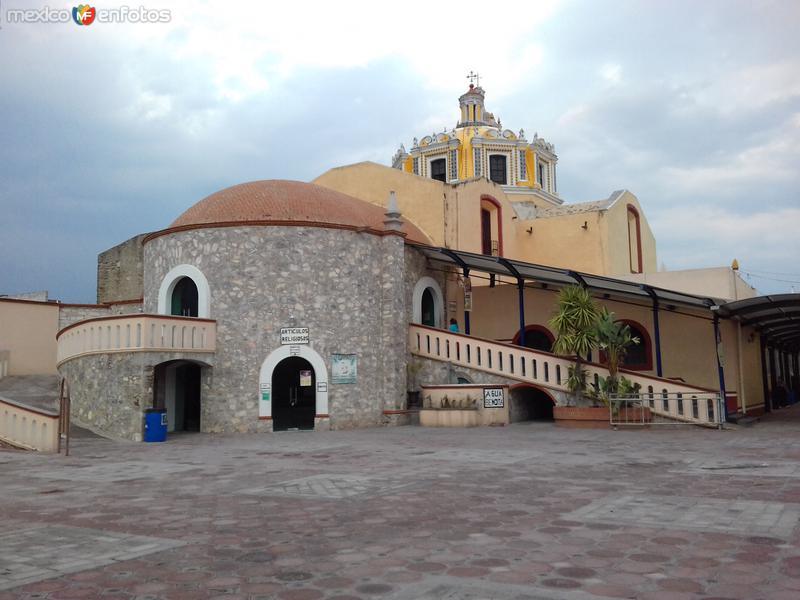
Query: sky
113,129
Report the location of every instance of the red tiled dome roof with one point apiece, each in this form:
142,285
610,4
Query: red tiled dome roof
276,200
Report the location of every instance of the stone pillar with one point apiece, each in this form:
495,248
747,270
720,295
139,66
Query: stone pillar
394,324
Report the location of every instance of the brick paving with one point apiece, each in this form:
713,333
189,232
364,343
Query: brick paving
527,512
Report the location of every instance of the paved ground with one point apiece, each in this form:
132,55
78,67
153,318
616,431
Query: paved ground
522,512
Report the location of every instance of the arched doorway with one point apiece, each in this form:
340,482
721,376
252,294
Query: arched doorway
529,403
177,388
536,338
184,301
293,394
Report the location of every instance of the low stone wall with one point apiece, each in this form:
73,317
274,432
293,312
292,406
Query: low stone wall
462,405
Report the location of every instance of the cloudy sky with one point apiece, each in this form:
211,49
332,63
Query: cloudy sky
110,130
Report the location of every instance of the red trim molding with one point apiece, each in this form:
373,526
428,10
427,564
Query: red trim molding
499,207
265,418
635,213
399,412
272,223
322,416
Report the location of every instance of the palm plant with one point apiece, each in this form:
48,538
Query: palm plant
614,339
575,322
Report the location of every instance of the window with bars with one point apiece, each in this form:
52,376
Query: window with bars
416,165
439,169
478,162
497,169
453,165
523,168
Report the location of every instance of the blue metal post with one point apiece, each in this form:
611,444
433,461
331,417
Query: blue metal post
720,368
521,289
657,335
466,312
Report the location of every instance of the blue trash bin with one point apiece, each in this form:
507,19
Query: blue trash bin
155,425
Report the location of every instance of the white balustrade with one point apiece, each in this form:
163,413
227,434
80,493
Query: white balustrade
551,371
27,427
136,333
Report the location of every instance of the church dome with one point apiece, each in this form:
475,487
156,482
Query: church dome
276,201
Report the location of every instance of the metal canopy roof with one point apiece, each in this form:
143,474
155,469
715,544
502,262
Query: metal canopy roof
560,277
776,316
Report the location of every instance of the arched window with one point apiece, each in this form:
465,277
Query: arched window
428,308
536,338
185,291
491,227
634,240
428,303
639,356
184,298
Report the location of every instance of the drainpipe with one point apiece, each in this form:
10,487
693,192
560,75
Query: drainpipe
521,290
764,376
466,312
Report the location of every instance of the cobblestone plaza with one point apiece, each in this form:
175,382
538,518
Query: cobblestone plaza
529,511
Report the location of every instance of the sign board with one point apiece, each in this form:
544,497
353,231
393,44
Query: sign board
265,395
467,294
294,335
322,386
343,368
305,378
493,398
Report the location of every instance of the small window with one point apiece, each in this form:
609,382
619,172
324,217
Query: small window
453,165
497,169
415,165
541,168
523,168
439,169
478,162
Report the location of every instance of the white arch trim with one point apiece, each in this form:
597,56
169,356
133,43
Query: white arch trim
268,366
170,281
438,301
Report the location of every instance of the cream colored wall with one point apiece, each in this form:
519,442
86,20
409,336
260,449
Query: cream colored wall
450,216
715,282
687,337
28,330
563,242
421,200
615,235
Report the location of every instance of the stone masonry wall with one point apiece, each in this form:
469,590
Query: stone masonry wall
120,271
69,314
332,281
109,392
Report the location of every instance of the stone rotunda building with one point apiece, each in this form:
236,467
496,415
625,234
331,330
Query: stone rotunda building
249,297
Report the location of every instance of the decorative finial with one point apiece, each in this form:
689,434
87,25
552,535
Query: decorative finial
474,78
735,265
393,222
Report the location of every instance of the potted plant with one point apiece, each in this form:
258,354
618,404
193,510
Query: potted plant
575,322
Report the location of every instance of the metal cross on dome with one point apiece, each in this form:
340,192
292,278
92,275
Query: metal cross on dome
474,78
